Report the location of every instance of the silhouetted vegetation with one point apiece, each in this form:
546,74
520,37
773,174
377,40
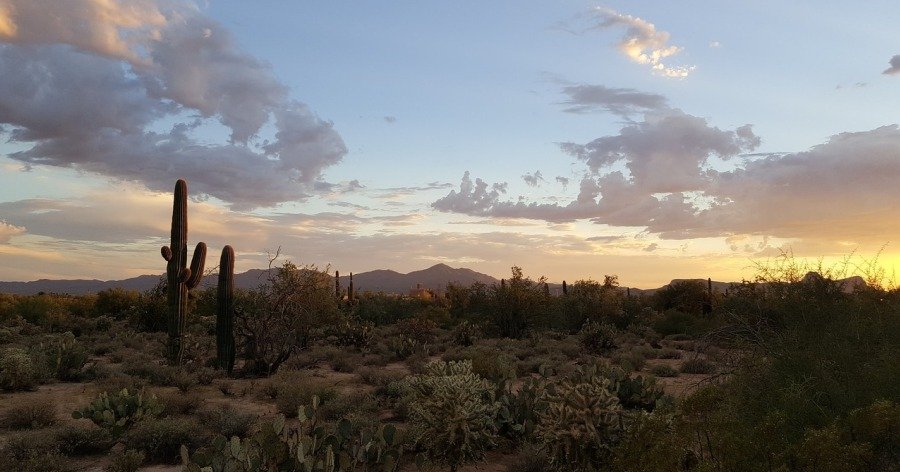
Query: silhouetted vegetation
784,373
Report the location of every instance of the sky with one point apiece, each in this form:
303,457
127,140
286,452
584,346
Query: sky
652,140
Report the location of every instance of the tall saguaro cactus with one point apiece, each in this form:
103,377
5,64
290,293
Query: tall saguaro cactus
225,311
350,294
179,277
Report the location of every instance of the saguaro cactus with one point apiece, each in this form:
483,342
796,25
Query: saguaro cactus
337,285
225,311
565,288
350,294
179,277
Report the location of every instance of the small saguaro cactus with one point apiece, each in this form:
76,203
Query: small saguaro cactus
225,311
565,288
350,294
179,277
337,285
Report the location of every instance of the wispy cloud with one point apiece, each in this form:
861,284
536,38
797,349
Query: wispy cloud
642,42
585,98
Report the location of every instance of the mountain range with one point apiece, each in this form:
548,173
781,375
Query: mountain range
435,277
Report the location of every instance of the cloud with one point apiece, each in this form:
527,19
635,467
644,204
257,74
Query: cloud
584,98
642,42
390,119
658,174
651,247
91,94
533,180
7,231
894,69
564,181
398,192
715,44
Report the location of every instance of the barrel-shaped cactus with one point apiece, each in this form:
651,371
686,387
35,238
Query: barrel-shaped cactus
179,277
225,311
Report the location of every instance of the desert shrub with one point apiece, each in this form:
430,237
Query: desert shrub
279,318
184,381
17,370
345,362
81,440
668,353
653,442
530,458
127,460
597,338
161,438
349,405
698,365
294,393
417,361
379,377
29,414
581,422
664,370
181,403
419,330
145,368
33,451
116,302
401,347
120,411
630,360
673,322
452,413
227,421
465,333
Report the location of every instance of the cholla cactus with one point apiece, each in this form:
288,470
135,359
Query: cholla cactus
453,413
582,420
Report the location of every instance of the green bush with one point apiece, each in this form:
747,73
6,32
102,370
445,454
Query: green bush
226,421
698,365
77,440
452,413
664,370
597,338
161,438
581,422
120,411
17,370
128,460
465,333
29,414
294,390
530,458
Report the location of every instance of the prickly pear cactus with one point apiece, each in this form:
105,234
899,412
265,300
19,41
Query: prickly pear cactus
581,422
116,413
308,447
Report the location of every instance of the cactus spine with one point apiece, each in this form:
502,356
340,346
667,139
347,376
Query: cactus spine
179,277
225,311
